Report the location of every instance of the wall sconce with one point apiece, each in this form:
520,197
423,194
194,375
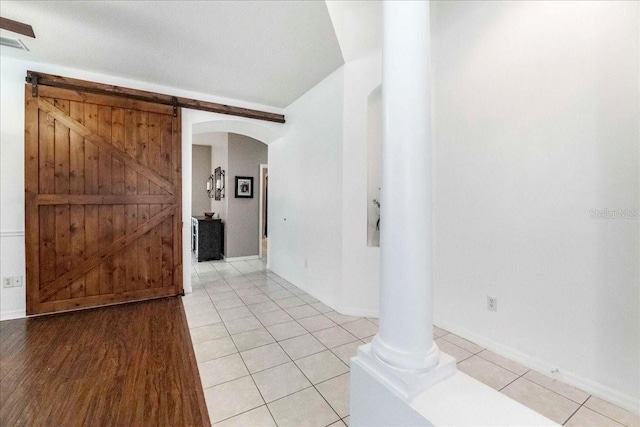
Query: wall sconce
218,184
210,186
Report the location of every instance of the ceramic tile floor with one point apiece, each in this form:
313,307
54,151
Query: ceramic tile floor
269,354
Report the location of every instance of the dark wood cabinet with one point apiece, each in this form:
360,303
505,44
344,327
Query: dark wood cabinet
207,238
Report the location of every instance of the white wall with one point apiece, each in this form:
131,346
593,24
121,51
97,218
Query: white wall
12,74
305,192
536,123
318,177
12,300
360,263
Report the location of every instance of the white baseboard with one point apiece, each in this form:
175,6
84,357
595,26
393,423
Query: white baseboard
348,311
12,314
625,401
242,258
357,312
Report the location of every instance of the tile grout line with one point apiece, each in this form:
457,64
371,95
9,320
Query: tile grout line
571,416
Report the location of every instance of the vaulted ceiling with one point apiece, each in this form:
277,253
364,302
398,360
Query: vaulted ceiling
266,52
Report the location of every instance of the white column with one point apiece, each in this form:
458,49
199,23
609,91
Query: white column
403,354
405,338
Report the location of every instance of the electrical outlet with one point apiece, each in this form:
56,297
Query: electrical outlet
12,282
306,263
492,303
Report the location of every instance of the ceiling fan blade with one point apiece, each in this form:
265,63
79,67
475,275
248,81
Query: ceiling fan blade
17,27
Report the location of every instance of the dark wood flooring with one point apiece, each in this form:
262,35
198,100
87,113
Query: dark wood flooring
125,365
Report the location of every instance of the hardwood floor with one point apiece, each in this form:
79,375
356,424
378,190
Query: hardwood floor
125,365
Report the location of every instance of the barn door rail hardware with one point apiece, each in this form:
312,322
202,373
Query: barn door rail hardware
37,78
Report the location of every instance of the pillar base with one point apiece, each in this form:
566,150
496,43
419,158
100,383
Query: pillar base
457,400
405,384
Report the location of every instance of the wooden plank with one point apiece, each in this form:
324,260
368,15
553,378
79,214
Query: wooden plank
47,154
61,151
62,247
92,278
119,222
17,27
110,299
52,287
47,245
90,149
144,250
103,144
118,140
212,107
61,185
130,128
76,151
76,232
176,168
144,243
131,190
131,222
165,148
155,163
142,137
167,252
32,223
154,151
104,158
94,199
156,255
105,212
105,215
114,101
76,186
119,259
193,104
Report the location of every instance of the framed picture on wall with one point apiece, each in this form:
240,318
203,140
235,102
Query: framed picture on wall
244,187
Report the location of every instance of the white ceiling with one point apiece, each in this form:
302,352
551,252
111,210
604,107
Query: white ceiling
358,25
266,52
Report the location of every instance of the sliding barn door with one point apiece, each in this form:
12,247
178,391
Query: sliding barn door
103,200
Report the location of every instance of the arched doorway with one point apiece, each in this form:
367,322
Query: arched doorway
196,123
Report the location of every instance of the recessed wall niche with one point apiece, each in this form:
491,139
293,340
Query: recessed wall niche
374,161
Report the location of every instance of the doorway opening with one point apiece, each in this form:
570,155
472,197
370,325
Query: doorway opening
263,229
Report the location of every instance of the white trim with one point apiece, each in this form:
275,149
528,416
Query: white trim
260,210
12,233
242,258
13,314
357,312
349,311
625,401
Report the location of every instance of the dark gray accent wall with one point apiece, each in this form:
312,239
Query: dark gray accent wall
201,169
241,234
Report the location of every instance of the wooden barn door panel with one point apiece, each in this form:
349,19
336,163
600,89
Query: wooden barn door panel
103,200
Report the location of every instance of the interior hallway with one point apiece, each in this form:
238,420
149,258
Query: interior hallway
270,354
